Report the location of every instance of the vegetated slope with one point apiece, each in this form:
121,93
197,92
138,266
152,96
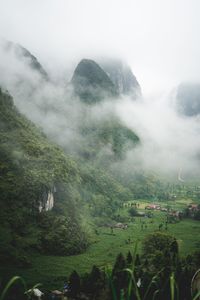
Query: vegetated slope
91,83
35,175
188,99
102,193
42,192
106,140
36,171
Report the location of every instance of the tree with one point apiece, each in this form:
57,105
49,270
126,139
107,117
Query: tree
120,263
120,276
129,258
174,247
161,249
132,212
95,281
74,284
159,241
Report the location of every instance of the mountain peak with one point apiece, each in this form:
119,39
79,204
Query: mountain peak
22,53
91,83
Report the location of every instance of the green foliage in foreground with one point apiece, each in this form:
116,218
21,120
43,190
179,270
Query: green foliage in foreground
131,277
52,270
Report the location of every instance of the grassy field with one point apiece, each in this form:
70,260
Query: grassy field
52,270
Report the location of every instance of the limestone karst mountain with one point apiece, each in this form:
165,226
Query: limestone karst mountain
91,83
110,78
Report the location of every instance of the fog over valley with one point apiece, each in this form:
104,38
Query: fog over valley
169,138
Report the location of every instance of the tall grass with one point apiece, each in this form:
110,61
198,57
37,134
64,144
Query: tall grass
197,296
12,282
131,288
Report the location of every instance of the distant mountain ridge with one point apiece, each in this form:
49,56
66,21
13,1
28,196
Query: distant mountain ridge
23,53
188,99
122,77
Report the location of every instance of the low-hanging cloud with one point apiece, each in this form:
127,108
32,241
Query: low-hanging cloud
168,142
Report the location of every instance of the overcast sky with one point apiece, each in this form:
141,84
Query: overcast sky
160,39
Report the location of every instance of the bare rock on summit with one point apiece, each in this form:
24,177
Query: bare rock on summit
122,76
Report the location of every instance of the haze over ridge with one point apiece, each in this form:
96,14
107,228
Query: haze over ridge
159,39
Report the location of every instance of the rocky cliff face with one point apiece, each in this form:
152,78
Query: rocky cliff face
111,78
47,200
121,75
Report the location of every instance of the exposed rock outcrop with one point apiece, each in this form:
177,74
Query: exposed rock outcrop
47,202
121,75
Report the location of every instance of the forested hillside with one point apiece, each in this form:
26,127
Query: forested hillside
46,190
38,201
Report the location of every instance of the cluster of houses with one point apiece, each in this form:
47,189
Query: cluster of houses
120,226
175,214
155,207
192,209
172,214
